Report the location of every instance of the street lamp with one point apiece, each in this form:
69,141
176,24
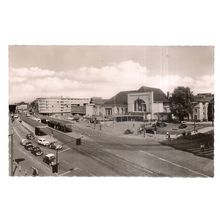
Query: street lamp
194,125
11,154
55,167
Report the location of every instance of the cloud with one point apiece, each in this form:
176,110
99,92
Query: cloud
30,83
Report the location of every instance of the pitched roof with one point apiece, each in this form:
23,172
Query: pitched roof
159,95
121,97
98,100
204,99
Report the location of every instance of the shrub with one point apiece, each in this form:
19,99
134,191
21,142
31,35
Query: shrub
128,131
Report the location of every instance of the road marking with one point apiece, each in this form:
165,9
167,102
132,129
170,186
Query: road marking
175,164
15,130
64,150
69,171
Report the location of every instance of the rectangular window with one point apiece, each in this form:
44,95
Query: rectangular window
108,111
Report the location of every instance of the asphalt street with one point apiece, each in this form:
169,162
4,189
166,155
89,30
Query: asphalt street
102,154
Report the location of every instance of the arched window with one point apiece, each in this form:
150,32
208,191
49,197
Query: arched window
139,105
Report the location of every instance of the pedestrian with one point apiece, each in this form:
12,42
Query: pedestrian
202,147
34,172
155,130
94,123
207,144
100,126
168,137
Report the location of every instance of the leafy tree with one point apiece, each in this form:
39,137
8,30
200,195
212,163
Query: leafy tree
181,102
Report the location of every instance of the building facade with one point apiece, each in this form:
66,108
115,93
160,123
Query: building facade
95,107
152,103
203,109
58,105
22,107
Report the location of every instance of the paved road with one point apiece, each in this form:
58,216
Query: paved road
106,155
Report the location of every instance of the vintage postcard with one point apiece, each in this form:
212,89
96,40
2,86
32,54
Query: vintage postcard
111,111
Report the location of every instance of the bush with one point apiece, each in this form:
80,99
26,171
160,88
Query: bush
128,131
188,133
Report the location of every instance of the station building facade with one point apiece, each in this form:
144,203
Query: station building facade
151,103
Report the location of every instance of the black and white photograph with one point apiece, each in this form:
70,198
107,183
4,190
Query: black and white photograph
111,111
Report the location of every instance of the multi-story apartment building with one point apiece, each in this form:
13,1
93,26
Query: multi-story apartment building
58,105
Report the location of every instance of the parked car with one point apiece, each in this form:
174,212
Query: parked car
49,159
30,136
28,145
16,116
161,124
182,126
149,130
23,142
55,146
36,151
43,141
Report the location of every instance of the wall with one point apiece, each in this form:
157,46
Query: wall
147,97
59,105
157,107
90,109
202,111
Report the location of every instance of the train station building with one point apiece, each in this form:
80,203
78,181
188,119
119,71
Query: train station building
151,103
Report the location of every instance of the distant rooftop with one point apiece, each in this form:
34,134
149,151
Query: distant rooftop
204,97
98,100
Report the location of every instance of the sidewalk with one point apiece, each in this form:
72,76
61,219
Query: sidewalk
206,129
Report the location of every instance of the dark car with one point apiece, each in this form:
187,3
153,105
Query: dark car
182,126
161,124
55,146
30,136
36,151
28,145
149,130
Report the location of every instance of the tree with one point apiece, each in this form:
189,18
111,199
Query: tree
181,102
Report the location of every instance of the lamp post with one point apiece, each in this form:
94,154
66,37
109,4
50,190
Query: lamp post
194,125
57,161
11,154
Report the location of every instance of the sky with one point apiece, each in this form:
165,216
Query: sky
103,71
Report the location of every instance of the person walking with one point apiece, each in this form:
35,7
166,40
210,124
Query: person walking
100,126
35,171
155,130
168,137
